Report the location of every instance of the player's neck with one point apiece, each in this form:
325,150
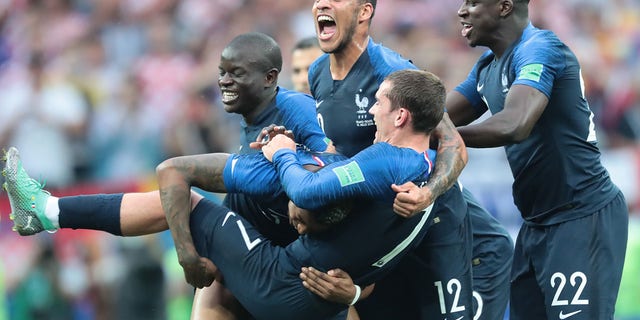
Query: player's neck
251,117
507,36
340,63
417,142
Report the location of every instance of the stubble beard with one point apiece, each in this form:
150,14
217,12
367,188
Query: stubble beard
344,41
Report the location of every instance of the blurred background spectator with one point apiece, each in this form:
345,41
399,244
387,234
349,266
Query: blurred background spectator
96,93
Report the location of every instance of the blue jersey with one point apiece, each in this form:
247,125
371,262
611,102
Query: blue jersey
369,174
557,169
293,110
296,112
256,176
254,188
343,105
368,242
341,177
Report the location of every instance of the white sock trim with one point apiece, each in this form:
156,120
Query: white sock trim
52,211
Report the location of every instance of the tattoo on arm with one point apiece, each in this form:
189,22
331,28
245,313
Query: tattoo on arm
204,171
175,195
175,178
177,207
451,158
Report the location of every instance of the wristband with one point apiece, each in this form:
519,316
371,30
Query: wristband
358,292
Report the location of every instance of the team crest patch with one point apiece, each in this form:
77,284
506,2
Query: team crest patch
531,72
349,174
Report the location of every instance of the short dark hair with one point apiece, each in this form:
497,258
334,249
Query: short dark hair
266,49
521,7
422,93
333,213
373,3
306,43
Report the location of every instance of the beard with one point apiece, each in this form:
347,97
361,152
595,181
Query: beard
347,38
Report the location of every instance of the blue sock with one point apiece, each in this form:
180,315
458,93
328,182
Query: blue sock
94,212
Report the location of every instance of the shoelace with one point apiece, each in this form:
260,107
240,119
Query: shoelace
39,184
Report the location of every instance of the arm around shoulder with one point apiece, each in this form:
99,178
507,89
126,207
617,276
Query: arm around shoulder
451,159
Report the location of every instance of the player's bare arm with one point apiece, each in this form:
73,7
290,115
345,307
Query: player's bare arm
522,109
451,159
175,178
460,110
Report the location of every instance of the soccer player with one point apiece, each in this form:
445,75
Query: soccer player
249,69
343,83
492,245
531,83
304,53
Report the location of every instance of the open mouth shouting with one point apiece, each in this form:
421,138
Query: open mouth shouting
326,27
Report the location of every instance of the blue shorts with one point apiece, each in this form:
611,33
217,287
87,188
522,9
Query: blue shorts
491,277
492,260
255,271
571,269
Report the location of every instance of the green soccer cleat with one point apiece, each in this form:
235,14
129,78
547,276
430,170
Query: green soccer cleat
26,196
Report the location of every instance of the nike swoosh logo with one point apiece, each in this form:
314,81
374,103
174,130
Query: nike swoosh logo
571,314
318,103
480,86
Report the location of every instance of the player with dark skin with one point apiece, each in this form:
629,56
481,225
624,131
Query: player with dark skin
531,83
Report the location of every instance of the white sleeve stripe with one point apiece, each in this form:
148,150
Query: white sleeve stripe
406,242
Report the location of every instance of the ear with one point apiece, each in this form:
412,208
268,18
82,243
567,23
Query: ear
505,7
271,77
366,11
403,117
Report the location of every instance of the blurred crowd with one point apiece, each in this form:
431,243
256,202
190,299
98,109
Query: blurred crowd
100,91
